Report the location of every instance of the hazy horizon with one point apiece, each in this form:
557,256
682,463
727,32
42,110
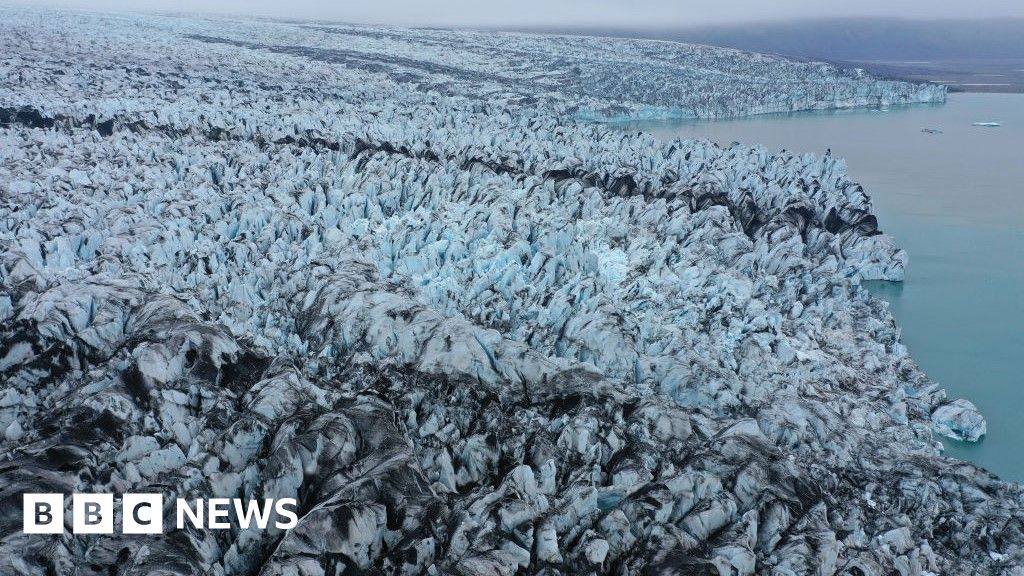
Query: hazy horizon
564,13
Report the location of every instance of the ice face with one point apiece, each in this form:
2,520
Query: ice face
389,274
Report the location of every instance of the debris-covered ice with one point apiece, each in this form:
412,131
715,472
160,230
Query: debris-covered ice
392,274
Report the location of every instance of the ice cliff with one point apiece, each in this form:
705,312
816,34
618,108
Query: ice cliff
391,274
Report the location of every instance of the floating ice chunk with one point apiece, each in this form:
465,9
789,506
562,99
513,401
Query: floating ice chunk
959,420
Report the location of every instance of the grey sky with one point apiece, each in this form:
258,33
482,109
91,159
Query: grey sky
662,13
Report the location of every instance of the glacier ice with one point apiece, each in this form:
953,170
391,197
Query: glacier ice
391,274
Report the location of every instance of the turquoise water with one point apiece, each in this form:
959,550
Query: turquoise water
955,201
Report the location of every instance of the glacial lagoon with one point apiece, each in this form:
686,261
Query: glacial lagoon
954,199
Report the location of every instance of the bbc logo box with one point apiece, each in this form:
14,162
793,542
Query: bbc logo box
144,513
93,514
43,513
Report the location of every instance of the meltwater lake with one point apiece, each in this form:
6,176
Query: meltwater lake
955,201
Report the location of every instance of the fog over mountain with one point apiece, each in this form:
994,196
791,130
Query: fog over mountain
647,13
969,54
864,38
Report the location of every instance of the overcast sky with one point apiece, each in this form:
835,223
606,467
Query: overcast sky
661,13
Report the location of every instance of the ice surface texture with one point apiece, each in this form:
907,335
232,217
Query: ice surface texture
390,274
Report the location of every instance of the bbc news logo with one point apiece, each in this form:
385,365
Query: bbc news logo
144,513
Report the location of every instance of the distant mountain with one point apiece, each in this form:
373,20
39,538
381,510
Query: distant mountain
966,54
851,39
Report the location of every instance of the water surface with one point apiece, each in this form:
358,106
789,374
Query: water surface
955,201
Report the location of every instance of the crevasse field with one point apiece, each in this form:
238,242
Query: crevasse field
408,278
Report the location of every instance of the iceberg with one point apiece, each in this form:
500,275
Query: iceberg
959,420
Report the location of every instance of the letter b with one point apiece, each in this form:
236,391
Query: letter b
92,513
43,514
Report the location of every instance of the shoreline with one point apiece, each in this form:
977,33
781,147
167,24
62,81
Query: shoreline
913,211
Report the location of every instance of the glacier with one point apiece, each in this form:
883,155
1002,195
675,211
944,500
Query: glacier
412,279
